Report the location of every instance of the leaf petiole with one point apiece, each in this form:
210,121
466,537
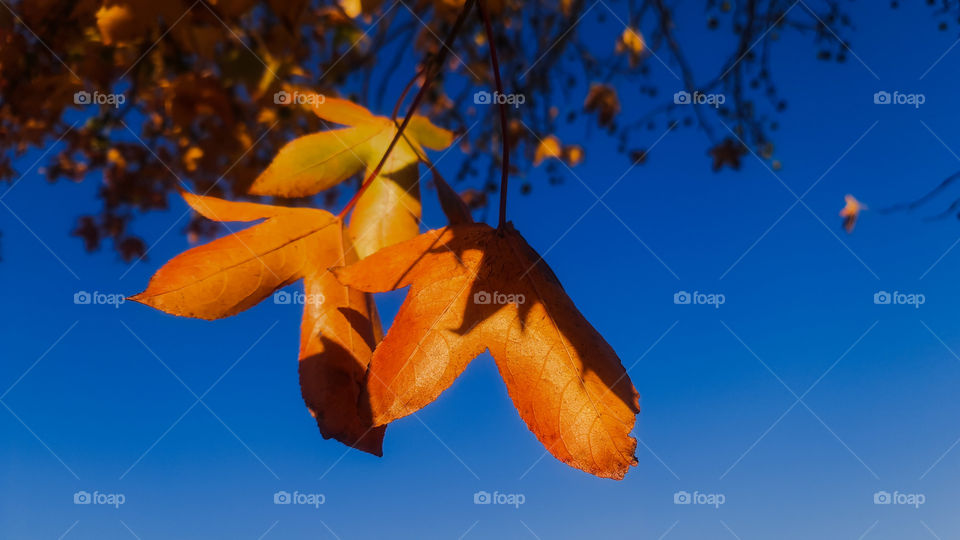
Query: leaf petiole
431,73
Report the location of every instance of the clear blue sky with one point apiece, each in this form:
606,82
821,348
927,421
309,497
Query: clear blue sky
796,400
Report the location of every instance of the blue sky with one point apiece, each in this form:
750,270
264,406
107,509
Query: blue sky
795,401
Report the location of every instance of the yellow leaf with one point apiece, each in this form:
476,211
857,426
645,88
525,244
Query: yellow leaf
388,212
115,158
352,8
424,132
548,148
573,154
191,157
314,162
630,42
117,23
319,161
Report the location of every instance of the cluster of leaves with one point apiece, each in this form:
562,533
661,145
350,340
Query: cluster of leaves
199,79
566,381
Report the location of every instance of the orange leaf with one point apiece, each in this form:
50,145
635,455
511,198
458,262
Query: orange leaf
631,43
475,288
388,212
573,155
548,148
340,326
339,332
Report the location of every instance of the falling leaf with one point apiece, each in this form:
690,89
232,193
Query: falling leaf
340,326
475,288
549,147
850,212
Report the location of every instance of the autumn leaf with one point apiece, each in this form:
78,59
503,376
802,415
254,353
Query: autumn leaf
389,209
728,152
549,147
340,327
631,43
123,22
474,288
356,8
573,154
850,212
602,99
116,23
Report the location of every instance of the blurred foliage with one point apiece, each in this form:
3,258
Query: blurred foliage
197,82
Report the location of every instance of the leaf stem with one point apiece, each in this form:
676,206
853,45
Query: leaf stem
430,73
406,90
505,165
